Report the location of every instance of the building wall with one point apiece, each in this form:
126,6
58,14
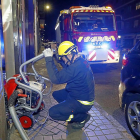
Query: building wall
31,48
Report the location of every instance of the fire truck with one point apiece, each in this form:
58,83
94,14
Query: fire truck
93,29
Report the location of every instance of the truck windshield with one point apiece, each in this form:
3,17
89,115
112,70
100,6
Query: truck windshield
94,22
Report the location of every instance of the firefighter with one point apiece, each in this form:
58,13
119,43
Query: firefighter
78,96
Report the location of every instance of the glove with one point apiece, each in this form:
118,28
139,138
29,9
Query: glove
48,52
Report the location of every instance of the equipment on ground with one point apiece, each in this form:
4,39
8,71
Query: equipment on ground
25,106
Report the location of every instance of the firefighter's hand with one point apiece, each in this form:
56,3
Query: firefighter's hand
48,52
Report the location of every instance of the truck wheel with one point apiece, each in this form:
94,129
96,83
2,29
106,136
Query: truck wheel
132,115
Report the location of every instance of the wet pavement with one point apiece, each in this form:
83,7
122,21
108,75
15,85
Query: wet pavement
101,126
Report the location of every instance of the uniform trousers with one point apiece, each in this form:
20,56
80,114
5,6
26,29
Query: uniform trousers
68,107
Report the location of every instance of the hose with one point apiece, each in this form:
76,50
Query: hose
17,123
13,113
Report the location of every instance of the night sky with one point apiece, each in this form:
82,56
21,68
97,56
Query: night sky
52,14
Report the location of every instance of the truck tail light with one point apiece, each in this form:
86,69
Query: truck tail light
124,61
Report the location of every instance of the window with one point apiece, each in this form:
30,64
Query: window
138,46
136,23
138,6
127,25
122,11
128,10
94,22
119,22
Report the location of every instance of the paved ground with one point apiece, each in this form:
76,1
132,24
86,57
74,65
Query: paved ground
101,126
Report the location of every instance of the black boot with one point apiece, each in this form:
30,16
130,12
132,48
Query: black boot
79,125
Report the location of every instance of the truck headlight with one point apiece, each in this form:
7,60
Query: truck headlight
105,46
90,47
116,54
119,36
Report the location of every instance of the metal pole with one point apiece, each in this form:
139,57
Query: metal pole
35,26
23,34
3,128
8,37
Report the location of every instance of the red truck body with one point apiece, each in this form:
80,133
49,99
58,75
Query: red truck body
93,29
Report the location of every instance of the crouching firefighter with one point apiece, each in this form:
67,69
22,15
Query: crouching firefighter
78,96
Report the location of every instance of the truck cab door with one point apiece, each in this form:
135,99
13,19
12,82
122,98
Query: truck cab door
65,27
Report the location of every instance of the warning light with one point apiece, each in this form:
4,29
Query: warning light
72,7
108,7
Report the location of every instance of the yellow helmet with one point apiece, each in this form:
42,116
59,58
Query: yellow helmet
66,47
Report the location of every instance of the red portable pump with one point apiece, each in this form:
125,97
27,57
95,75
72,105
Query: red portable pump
25,97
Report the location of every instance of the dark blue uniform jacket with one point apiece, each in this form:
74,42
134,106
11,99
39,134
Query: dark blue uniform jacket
78,76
